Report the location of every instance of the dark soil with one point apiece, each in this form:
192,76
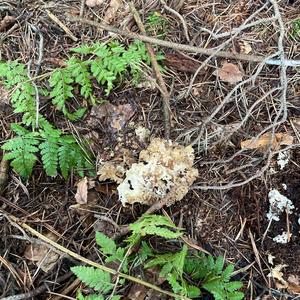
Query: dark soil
219,220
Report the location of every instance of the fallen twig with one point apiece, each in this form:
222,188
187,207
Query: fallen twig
188,48
62,25
4,167
160,80
40,290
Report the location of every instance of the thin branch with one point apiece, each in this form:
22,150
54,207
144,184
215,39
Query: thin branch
160,80
182,47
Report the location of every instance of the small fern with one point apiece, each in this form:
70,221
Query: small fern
55,149
214,279
15,78
61,82
188,274
49,149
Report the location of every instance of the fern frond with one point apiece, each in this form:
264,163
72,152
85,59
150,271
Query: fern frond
72,157
81,74
79,296
103,75
62,90
96,279
14,76
49,149
21,150
153,225
107,245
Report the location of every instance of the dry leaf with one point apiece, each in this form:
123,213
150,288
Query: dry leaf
181,63
41,255
122,114
93,3
294,286
82,191
264,141
137,292
229,73
113,116
244,47
276,272
112,11
6,22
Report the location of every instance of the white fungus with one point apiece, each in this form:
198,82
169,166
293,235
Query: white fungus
278,204
283,159
165,170
282,238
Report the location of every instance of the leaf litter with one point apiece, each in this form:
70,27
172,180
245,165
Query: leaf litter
114,117
41,255
229,73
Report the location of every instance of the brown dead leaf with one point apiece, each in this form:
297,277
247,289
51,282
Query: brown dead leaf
245,47
112,11
276,272
122,114
181,63
110,115
93,3
6,22
264,141
229,73
41,255
137,292
294,285
82,191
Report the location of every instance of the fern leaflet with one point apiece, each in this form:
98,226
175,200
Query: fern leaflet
49,149
96,279
22,150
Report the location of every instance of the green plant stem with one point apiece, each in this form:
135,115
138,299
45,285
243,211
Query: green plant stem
84,260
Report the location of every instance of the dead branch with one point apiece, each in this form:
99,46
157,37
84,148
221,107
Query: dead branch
187,48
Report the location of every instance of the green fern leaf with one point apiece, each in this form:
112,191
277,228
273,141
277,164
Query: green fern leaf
81,74
94,278
49,149
219,264
107,245
227,273
64,157
103,75
235,296
233,286
62,90
21,150
152,225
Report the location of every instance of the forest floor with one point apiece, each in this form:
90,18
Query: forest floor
212,108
